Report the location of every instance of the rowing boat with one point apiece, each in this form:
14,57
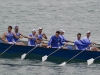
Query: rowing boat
62,55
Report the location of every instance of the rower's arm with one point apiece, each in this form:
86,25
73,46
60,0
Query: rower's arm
77,45
61,43
16,35
44,35
30,37
80,46
4,38
84,41
49,43
24,35
37,40
69,41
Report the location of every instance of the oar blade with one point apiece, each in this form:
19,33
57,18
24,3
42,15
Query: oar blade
44,58
62,64
90,61
23,56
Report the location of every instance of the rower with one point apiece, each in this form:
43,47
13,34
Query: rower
55,41
8,36
32,39
40,37
17,33
78,43
89,44
64,40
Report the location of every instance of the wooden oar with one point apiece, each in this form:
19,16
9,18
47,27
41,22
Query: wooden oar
64,63
24,55
96,45
44,58
6,50
90,61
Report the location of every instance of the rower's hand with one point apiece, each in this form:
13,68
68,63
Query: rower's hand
6,41
65,44
42,42
90,45
48,46
44,34
93,43
21,37
72,42
45,40
61,47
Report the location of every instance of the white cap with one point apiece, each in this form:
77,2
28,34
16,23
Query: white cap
34,30
88,32
61,30
40,28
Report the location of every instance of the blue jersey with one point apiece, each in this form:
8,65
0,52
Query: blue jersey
32,42
86,41
40,36
9,37
79,45
55,42
63,39
17,34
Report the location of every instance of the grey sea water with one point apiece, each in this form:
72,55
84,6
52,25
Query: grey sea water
71,15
